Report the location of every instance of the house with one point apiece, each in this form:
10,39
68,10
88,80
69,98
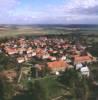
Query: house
52,58
26,58
33,54
20,59
85,71
63,57
29,50
79,65
21,50
82,59
29,55
57,66
45,56
11,51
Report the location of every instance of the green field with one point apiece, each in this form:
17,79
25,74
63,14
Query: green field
28,30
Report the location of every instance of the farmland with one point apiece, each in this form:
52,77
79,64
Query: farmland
15,30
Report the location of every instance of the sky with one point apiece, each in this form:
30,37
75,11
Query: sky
48,11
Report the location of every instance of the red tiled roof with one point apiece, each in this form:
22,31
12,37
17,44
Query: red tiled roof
11,50
57,64
39,51
82,58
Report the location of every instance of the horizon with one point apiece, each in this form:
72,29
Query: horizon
66,12
51,24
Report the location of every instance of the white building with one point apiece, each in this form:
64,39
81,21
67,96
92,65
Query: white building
79,66
85,71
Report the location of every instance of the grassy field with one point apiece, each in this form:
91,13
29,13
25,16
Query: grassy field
4,32
28,30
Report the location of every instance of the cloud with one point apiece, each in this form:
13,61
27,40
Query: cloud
79,10
72,11
82,6
6,5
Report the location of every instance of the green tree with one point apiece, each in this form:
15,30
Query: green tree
6,89
75,84
45,70
38,91
3,61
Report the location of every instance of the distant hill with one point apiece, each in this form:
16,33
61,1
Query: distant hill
51,25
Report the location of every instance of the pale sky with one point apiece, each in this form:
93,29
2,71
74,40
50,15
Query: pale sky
48,11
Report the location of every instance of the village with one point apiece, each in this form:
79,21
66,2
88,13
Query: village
46,55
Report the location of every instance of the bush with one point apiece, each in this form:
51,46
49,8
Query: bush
6,89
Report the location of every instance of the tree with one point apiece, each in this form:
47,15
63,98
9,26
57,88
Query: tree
38,91
75,84
6,89
3,61
45,70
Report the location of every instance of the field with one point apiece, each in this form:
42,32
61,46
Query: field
7,31
14,30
